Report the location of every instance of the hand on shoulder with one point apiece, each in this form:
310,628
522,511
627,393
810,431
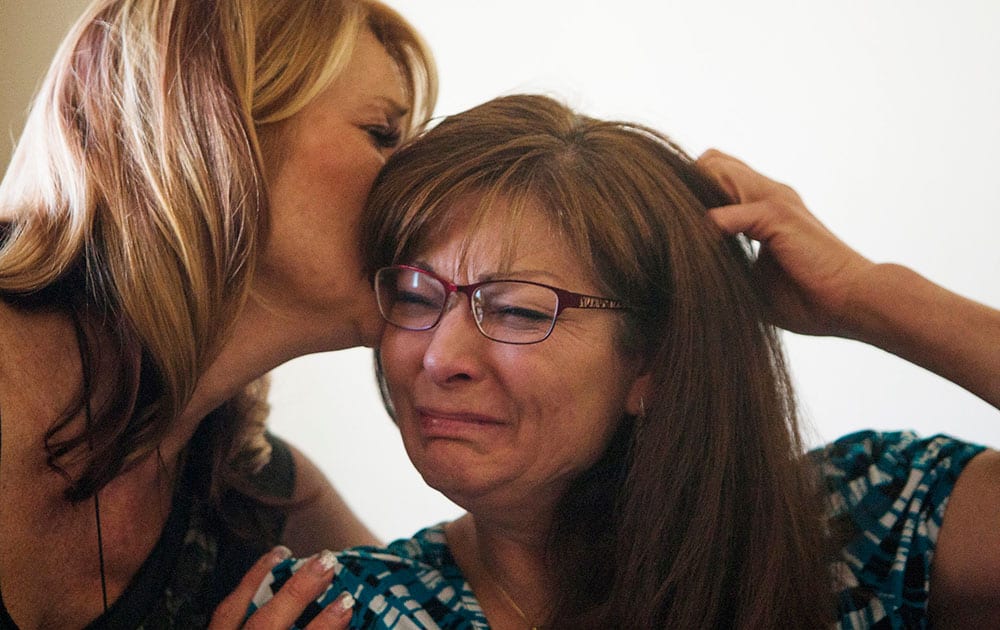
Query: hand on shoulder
288,604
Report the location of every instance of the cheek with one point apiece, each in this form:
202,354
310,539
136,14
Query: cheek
343,169
401,359
598,400
346,181
353,175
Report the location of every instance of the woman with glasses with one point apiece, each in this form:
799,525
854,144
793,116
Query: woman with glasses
577,355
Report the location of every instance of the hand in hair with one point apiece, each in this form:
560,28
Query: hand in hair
288,604
815,284
808,275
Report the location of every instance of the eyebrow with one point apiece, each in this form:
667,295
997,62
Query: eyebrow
530,275
392,104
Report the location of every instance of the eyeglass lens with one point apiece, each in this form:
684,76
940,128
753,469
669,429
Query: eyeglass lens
505,310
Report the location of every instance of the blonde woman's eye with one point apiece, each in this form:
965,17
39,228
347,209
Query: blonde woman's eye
384,136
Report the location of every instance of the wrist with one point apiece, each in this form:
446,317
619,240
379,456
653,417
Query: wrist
879,301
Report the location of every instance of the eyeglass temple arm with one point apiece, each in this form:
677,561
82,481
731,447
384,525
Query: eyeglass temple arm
568,299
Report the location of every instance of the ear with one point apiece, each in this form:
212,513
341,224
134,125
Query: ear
638,395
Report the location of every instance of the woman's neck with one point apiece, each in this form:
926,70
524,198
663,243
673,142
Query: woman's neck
263,337
504,563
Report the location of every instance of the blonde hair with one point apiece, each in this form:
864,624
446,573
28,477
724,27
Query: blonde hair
702,512
136,200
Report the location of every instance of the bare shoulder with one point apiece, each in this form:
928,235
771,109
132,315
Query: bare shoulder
39,374
39,366
26,335
320,518
965,577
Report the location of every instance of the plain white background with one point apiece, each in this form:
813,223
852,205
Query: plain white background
883,115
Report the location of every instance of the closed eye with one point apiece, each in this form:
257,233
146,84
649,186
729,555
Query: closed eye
385,136
410,297
519,313
413,304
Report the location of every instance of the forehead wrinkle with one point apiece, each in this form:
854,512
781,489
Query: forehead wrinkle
501,256
486,223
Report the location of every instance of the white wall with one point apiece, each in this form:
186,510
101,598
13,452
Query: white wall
30,30
883,115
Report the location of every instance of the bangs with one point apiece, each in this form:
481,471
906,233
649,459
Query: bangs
490,213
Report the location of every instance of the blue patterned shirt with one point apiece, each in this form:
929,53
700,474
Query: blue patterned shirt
413,583
887,496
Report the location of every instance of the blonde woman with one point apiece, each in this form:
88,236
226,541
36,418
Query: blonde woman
179,217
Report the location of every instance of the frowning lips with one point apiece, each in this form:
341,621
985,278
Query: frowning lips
454,423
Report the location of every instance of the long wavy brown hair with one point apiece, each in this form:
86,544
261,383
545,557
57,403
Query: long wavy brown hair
702,512
136,201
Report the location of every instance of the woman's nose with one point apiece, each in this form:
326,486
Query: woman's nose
455,351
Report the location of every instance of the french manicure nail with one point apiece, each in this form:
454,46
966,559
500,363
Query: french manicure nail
323,562
280,553
346,601
342,608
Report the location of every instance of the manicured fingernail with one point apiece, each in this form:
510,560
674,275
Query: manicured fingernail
280,553
346,601
342,608
323,562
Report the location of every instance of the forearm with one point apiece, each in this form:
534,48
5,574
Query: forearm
902,312
325,522
320,518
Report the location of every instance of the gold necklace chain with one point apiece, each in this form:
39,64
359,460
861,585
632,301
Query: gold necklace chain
513,604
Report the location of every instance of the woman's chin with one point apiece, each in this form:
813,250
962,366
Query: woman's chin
465,483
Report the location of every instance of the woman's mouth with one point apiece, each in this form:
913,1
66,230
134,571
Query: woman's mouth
457,424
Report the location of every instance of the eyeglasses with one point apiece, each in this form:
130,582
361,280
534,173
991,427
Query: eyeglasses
508,311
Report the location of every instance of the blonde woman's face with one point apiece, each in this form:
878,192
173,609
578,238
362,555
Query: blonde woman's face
328,155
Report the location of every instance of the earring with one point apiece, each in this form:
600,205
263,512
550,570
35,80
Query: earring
642,408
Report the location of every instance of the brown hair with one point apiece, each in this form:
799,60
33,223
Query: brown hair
702,512
136,199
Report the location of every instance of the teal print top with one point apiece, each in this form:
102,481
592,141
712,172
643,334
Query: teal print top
887,495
